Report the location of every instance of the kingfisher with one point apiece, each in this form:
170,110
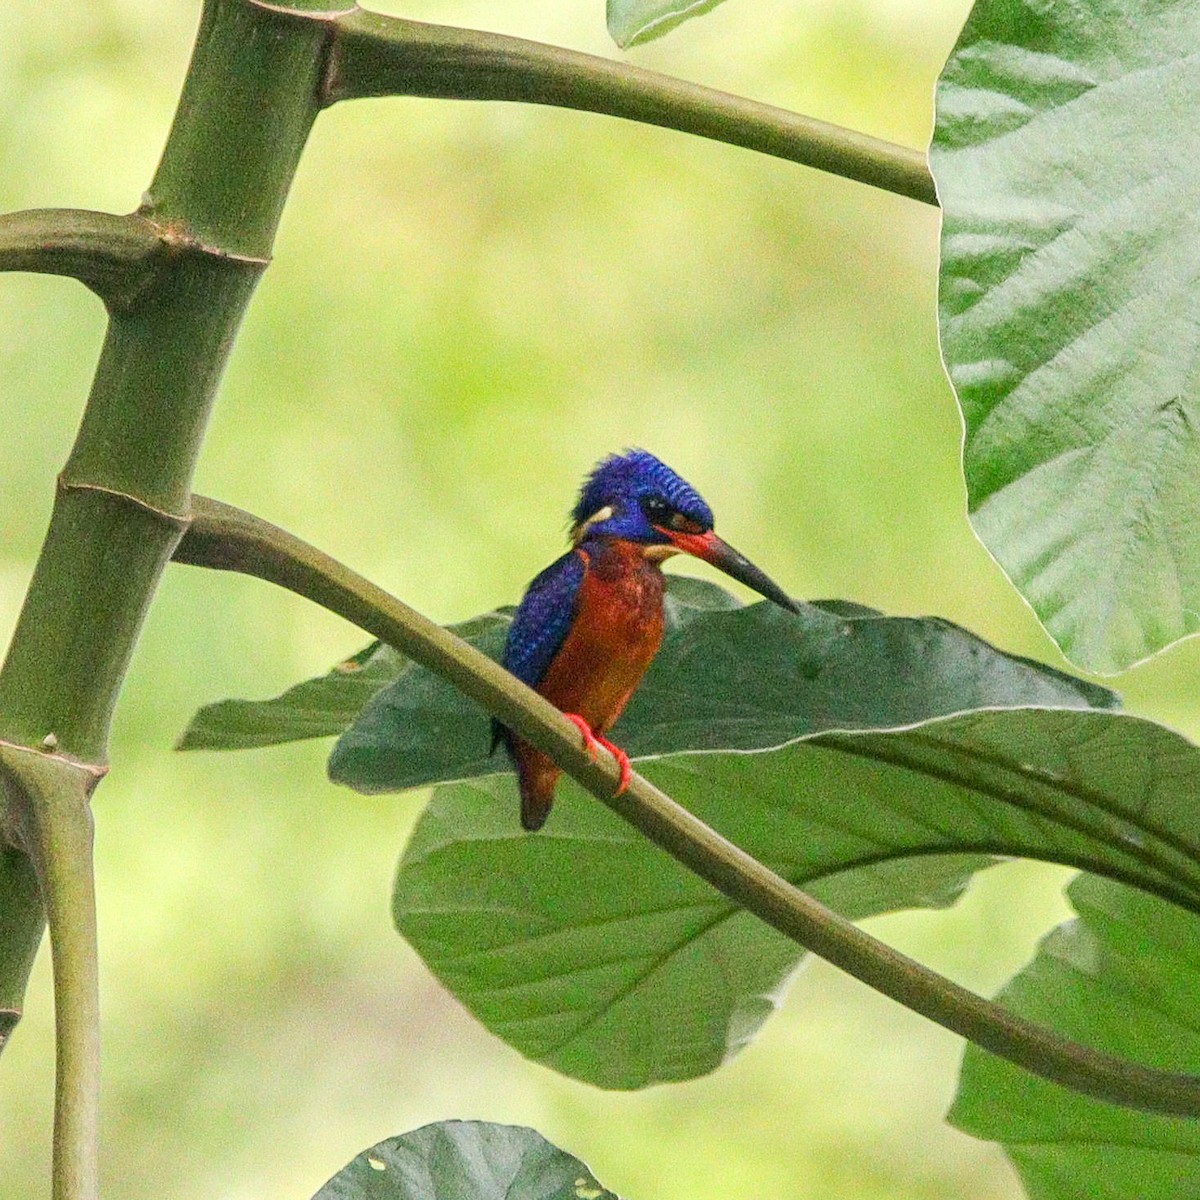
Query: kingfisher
591,623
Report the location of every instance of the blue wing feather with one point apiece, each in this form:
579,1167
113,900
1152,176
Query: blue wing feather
542,622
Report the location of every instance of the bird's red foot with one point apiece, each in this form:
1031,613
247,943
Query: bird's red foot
592,741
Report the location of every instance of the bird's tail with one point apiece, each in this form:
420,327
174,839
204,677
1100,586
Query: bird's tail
499,735
537,776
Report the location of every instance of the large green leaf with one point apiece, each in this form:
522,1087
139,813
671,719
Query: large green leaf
1123,977
1067,160
634,21
465,1160
843,748
727,677
593,952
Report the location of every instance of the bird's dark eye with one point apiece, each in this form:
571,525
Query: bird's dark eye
658,512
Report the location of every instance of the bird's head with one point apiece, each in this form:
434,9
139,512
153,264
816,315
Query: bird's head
637,498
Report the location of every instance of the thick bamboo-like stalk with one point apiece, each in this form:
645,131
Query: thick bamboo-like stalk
251,95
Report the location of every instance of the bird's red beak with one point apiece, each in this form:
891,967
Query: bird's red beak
724,557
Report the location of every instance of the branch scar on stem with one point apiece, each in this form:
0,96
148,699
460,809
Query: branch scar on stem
95,771
175,520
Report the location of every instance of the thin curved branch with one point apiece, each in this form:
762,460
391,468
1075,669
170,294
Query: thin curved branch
226,538
115,256
374,55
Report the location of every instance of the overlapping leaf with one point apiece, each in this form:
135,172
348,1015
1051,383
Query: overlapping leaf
465,1160
1067,161
1123,977
873,760
634,21
727,678
590,951
321,707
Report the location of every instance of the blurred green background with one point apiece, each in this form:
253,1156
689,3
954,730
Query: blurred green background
470,305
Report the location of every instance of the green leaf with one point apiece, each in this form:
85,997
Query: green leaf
327,705
1122,977
321,707
878,740
873,760
316,708
634,21
590,950
465,1160
726,678
1067,163
593,952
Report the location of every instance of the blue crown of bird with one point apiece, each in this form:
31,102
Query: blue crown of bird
591,623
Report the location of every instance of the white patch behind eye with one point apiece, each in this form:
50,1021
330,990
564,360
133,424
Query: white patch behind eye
598,517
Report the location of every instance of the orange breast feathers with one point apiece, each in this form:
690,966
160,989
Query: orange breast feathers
616,633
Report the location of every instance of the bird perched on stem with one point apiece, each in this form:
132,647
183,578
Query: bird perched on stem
591,623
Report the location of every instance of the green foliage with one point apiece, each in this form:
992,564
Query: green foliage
1122,977
634,21
1066,162
747,679
591,951
465,1160
728,677
834,745
320,707
835,748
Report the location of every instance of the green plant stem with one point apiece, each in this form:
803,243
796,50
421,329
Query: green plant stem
252,91
226,538
22,922
48,800
376,55
67,883
114,256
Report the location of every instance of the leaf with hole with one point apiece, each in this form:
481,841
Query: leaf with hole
465,1160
